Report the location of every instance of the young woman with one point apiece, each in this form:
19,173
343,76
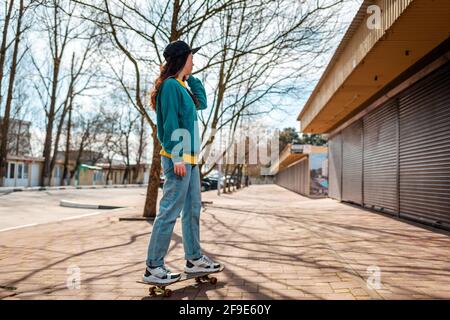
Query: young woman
176,108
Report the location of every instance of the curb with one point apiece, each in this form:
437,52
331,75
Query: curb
71,204
137,219
26,189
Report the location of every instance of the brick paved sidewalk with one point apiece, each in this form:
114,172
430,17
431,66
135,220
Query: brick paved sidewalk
275,244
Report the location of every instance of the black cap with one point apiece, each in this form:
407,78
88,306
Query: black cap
177,48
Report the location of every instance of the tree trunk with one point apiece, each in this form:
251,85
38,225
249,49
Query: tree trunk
225,180
233,173
174,34
239,177
45,177
77,162
66,174
154,178
3,46
55,146
140,150
12,76
57,57
109,174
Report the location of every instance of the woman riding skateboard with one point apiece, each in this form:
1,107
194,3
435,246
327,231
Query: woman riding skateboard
176,108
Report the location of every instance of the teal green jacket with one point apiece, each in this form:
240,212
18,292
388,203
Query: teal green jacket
177,120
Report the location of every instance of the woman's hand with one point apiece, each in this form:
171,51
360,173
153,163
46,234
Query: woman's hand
179,169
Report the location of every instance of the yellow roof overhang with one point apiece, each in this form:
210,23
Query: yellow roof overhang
368,59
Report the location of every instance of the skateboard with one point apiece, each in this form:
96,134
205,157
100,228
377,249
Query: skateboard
201,277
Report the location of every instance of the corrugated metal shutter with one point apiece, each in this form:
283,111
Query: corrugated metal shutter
352,150
295,177
425,149
380,158
303,169
335,166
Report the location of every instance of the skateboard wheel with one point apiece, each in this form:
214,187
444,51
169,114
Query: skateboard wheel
151,291
213,280
198,280
167,293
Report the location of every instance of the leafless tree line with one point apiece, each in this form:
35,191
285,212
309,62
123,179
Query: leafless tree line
107,53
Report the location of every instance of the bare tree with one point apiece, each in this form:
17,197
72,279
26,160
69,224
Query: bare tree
260,57
141,147
65,177
180,24
12,77
252,52
88,129
126,128
3,46
57,19
79,70
110,143
19,132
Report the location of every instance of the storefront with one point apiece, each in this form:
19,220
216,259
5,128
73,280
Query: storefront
388,119
396,159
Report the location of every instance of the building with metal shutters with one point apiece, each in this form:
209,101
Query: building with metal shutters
303,169
384,104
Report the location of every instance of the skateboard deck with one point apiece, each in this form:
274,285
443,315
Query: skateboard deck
200,277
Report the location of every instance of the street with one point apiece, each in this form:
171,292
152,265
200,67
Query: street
18,209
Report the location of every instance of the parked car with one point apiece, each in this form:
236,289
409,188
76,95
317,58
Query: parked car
212,182
206,186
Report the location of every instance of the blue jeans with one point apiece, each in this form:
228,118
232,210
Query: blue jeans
179,194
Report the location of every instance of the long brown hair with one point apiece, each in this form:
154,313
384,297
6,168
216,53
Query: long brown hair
169,69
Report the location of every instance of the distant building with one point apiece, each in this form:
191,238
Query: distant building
115,173
302,168
19,137
89,157
23,170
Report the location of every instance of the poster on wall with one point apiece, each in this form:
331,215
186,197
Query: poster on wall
318,166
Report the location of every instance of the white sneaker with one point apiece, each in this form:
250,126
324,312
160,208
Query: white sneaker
204,264
160,275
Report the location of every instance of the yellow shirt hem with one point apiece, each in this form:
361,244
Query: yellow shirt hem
191,159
